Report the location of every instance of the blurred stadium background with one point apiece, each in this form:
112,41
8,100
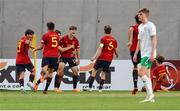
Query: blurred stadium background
89,16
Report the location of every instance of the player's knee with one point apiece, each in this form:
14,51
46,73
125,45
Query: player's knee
75,72
60,75
142,72
21,75
51,71
44,71
60,71
135,67
50,75
94,71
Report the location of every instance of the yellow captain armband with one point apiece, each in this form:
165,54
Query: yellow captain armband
101,45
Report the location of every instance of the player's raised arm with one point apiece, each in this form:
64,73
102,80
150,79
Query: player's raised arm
28,42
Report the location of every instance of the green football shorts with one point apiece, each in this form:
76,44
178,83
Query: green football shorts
146,62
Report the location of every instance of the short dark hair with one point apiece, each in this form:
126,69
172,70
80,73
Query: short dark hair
107,29
160,59
50,26
72,27
137,19
29,32
58,32
144,10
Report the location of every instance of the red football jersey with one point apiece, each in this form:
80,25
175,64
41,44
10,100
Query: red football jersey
159,72
109,45
22,52
51,42
135,37
66,42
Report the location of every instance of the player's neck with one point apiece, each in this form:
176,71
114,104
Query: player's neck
107,34
145,21
50,30
158,64
70,36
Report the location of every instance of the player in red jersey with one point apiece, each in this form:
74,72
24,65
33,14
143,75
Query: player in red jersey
71,56
23,61
159,74
132,44
103,56
50,45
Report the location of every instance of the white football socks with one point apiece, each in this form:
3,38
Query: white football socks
147,84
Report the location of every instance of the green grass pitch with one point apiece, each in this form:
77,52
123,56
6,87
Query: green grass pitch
107,100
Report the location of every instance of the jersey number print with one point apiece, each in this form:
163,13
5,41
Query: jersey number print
110,46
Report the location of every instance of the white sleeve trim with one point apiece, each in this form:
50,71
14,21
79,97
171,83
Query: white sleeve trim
101,45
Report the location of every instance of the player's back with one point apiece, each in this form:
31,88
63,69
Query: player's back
160,72
50,41
108,50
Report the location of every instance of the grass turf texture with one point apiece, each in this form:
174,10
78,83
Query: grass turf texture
107,100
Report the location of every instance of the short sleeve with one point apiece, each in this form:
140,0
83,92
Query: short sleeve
23,40
43,39
152,30
139,33
115,44
77,46
101,43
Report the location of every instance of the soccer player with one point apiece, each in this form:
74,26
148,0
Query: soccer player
159,74
58,32
103,56
50,45
132,44
147,42
23,61
72,57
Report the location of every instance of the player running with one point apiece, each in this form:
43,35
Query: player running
159,74
72,57
23,61
147,42
132,44
103,57
50,45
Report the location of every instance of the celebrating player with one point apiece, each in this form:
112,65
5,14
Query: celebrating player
72,57
103,56
159,74
50,46
132,44
23,61
147,42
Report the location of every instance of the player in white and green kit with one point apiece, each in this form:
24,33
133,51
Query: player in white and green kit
147,42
